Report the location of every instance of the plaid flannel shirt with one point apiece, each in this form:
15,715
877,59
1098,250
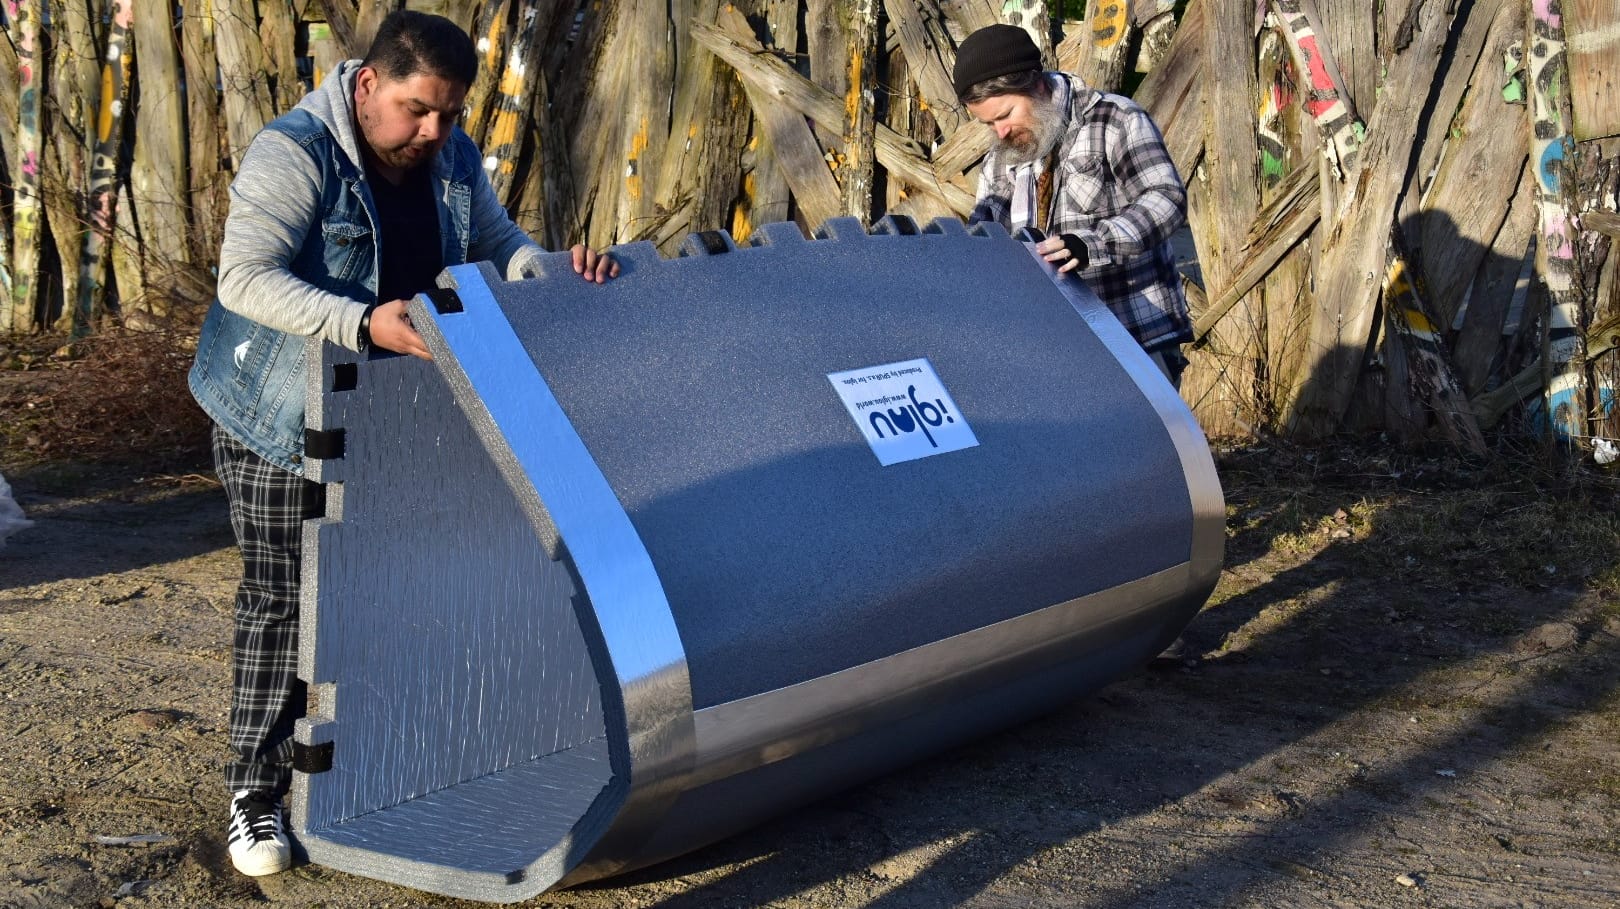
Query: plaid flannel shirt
1118,191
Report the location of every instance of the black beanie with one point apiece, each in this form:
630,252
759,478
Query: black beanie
995,50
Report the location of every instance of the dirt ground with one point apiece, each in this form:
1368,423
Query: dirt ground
1404,692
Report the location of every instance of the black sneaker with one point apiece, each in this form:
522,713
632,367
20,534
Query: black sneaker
257,838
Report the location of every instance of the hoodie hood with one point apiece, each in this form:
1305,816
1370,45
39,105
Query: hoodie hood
333,105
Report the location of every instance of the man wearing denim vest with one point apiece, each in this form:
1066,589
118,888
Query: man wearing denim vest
342,211
1090,171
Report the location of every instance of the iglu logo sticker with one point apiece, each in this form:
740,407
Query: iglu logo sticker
903,411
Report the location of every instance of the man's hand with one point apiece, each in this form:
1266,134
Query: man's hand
1066,252
594,266
391,329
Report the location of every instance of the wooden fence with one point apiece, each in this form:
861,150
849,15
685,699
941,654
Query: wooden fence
1402,211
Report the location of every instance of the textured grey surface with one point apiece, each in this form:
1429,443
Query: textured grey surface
478,838
751,609
439,634
700,387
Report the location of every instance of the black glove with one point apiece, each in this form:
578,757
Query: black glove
1077,249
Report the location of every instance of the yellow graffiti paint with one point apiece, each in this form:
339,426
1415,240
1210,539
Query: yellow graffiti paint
741,223
504,130
852,98
105,115
638,145
1108,23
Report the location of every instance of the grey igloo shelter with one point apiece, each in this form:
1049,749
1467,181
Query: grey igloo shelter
630,567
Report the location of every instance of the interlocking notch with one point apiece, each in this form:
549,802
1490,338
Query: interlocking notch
780,233
642,253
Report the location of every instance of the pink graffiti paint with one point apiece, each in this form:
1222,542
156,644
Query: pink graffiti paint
1544,12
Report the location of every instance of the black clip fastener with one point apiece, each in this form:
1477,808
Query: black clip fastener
327,445
312,758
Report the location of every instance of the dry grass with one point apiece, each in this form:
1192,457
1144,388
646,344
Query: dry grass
118,398
1529,515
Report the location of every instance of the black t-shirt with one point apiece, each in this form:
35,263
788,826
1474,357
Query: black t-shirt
408,252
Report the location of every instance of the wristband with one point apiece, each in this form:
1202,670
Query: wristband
365,328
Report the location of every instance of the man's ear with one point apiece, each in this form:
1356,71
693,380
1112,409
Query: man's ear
365,82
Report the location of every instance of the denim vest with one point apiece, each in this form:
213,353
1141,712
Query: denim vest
250,378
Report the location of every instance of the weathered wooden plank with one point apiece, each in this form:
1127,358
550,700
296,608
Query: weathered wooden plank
1604,222
75,85
1174,92
769,199
702,165
102,195
9,76
492,36
1230,150
929,51
1432,380
1396,24
1099,51
776,81
1223,382
158,171
792,142
824,52
1550,149
842,43
278,31
1480,337
1475,26
909,115
324,52
595,144
519,81
1032,17
1219,380
1490,406
961,149
1450,225
138,274
1348,26
27,210
1157,33
905,113
1286,220
207,183
545,199
1325,102
1349,282
644,104
1286,291
1593,35
340,17
366,21
970,15
243,73
856,170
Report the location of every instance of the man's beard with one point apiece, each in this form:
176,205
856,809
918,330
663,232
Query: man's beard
408,156
1024,146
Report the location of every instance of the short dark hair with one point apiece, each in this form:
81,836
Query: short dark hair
1030,82
411,43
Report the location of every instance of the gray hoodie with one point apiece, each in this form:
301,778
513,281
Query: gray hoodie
275,201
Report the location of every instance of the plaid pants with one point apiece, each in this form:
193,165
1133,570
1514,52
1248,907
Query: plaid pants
268,509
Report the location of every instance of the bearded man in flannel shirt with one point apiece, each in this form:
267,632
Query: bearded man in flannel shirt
1090,171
